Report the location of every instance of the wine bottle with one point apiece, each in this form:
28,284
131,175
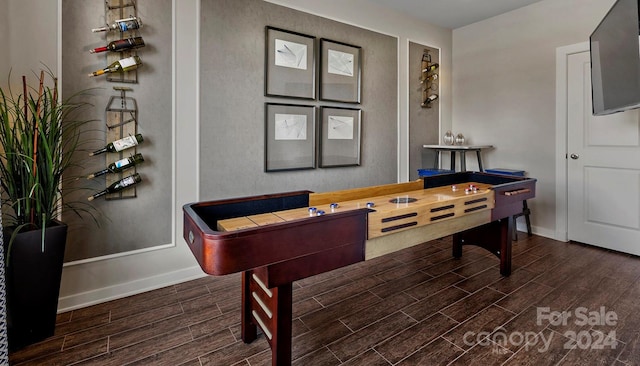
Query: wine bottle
430,68
118,186
121,25
430,99
121,45
119,165
119,145
125,64
432,77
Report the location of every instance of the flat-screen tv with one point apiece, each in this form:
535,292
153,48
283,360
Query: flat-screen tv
615,59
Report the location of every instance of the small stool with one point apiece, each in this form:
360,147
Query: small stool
525,207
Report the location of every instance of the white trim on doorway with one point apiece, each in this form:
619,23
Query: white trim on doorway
562,211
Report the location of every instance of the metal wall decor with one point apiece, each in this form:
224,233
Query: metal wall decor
428,80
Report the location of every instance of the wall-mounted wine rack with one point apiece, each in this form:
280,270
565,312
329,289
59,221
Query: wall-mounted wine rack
121,115
428,80
121,112
116,10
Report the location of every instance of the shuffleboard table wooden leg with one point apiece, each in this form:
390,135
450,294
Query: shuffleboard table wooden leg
494,237
249,331
271,310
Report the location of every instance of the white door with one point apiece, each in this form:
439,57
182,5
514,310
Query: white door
603,168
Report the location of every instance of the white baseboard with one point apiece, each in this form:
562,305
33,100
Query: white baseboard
97,296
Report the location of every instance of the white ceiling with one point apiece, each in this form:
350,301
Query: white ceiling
453,13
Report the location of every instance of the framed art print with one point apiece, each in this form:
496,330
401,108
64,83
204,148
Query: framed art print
340,131
289,64
340,71
289,137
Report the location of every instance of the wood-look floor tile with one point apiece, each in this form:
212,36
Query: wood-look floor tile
320,287
393,287
73,355
349,306
351,289
369,358
414,338
480,280
438,352
259,359
484,354
524,296
526,323
451,263
200,347
148,302
234,352
630,354
122,325
433,285
377,311
416,252
518,278
318,338
547,348
321,357
40,349
477,328
305,306
214,324
83,323
143,348
396,273
224,283
589,353
561,298
378,265
472,304
192,293
523,260
472,269
198,322
358,342
625,310
434,303
544,264
569,269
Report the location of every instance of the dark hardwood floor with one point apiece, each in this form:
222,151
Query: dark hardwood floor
415,307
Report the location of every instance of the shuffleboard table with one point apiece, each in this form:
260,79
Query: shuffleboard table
276,239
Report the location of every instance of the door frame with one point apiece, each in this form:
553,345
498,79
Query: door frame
562,122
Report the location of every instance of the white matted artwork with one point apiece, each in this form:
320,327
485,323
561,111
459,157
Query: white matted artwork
290,126
339,128
290,137
340,136
289,64
340,63
290,54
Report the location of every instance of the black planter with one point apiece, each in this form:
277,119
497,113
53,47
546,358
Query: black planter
33,284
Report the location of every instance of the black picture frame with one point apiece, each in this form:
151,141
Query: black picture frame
340,136
341,70
290,66
290,137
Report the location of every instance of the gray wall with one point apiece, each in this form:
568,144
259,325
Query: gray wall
232,101
423,122
504,89
143,221
4,39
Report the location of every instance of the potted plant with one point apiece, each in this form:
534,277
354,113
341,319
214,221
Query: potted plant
38,138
